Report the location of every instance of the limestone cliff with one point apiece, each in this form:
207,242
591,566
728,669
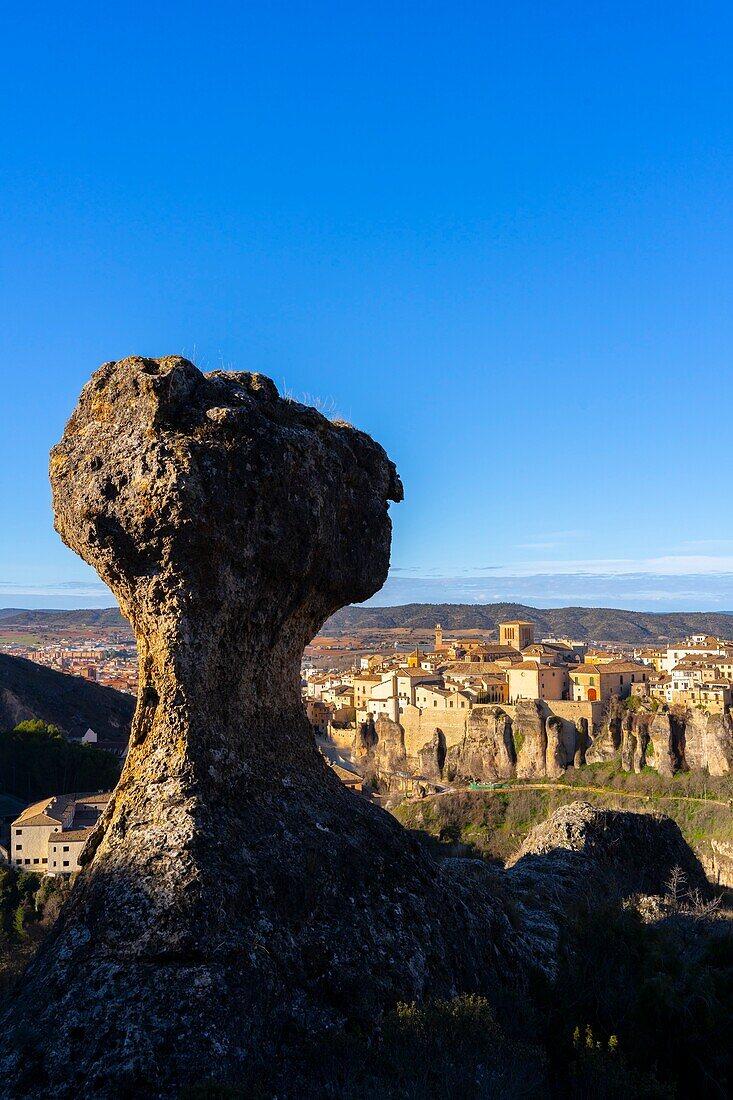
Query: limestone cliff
487,751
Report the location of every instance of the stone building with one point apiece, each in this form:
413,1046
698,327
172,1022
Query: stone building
518,633
49,835
532,680
591,682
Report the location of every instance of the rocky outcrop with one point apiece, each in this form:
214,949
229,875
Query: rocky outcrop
530,738
365,738
718,862
487,751
555,757
634,741
431,757
608,742
236,898
630,852
708,742
581,851
234,893
581,743
665,735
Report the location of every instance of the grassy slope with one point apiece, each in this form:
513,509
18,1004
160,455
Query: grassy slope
494,823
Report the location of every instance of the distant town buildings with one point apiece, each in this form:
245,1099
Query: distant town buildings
460,673
112,666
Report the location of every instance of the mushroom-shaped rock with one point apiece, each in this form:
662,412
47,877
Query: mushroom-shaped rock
234,893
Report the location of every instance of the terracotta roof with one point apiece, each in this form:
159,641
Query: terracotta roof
74,835
36,813
624,666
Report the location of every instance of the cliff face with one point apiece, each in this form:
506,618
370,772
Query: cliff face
236,897
532,742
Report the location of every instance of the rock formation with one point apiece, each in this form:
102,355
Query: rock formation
581,742
431,757
709,742
236,897
235,892
530,738
487,751
664,736
556,761
584,852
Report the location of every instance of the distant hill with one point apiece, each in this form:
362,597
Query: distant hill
106,618
605,624
592,623
73,704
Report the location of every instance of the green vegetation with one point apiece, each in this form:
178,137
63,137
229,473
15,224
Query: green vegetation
36,760
28,907
638,1010
435,1051
663,990
492,824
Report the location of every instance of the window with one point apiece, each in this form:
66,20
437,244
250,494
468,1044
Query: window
36,861
66,847
18,847
45,860
66,863
18,832
27,861
19,861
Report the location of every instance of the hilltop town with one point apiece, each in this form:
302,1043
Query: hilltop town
455,674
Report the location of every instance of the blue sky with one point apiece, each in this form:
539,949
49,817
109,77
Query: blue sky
499,237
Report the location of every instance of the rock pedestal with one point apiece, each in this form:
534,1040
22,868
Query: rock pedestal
236,895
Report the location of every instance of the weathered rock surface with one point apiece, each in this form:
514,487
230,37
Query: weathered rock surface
431,757
236,897
556,759
608,742
708,742
531,739
236,893
581,851
581,743
487,750
632,851
389,751
664,735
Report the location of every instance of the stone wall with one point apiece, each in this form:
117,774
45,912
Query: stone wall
419,726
